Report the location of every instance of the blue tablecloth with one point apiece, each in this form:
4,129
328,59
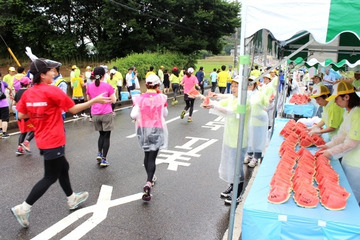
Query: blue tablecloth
305,110
264,220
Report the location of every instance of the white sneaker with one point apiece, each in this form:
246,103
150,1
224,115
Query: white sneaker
84,115
247,159
79,198
253,162
76,116
21,215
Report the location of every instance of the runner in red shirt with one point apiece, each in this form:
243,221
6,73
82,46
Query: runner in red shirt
43,104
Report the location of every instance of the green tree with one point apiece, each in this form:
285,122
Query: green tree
67,29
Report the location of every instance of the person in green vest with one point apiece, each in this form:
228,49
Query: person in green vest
332,115
227,107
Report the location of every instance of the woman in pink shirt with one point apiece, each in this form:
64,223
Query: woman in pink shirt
102,114
149,111
189,81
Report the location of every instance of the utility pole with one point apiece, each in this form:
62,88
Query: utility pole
236,47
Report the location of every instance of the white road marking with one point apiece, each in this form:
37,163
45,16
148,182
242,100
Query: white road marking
99,210
171,157
168,121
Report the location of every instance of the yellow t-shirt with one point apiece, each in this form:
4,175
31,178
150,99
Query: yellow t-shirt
223,77
351,127
332,116
149,73
174,78
77,83
9,80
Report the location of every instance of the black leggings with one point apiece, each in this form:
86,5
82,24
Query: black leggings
104,142
189,104
150,166
77,101
22,136
54,169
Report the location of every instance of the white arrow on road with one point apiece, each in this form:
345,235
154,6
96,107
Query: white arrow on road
99,210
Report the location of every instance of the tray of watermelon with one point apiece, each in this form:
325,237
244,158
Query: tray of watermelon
308,178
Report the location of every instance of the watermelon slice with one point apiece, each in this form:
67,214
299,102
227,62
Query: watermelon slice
306,199
333,202
206,102
278,195
193,93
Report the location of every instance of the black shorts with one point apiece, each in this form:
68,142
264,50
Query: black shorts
4,114
53,153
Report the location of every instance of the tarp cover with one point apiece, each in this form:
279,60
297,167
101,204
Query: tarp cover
324,19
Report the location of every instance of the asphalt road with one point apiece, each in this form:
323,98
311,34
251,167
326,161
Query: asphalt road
185,202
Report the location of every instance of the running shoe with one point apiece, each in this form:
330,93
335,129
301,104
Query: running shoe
253,162
76,116
147,190
228,201
5,135
227,192
90,119
153,180
21,215
190,119
247,159
104,163
20,151
182,114
26,146
98,158
80,197
84,115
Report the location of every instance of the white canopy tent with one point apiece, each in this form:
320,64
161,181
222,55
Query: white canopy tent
323,19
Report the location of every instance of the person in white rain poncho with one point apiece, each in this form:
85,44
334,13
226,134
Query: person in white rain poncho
149,112
269,91
258,123
227,108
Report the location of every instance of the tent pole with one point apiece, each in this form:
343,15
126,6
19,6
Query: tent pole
242,94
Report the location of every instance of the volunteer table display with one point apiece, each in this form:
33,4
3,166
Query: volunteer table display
321,206
300,104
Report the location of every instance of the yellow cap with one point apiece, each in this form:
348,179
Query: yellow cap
73,67
88,68
12,69
340,89
319,90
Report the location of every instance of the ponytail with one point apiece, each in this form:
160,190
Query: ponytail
97,79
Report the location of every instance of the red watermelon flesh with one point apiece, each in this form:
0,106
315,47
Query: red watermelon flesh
333,202
278,195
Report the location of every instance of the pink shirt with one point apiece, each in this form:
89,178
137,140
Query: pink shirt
93,91
189,82
151,107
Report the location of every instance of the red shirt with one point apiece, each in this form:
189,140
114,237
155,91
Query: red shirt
44,104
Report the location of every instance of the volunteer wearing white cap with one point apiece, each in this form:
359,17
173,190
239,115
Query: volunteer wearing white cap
258,123
346,143
149,111
332,115
228,108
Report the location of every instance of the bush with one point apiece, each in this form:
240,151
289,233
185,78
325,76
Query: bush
142,62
